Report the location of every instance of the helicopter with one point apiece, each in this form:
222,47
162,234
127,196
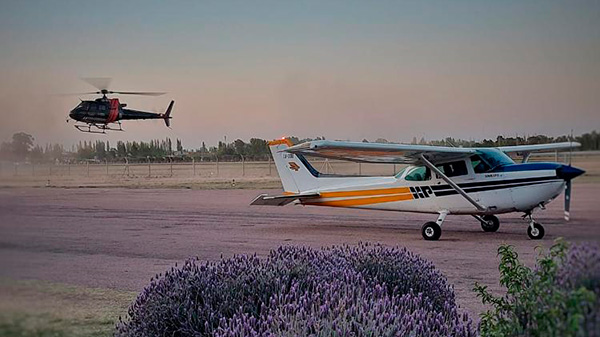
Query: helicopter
97,115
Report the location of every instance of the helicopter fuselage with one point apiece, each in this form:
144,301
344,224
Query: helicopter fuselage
108,110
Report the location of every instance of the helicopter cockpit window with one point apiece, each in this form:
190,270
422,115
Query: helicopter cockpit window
419,173
83,106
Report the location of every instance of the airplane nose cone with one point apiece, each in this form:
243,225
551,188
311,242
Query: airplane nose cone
567,172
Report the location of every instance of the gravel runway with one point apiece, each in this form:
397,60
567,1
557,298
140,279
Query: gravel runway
120,238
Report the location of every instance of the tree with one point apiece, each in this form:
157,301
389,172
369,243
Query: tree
21,144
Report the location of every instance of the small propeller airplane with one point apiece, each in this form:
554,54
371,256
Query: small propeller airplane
98,114
480,182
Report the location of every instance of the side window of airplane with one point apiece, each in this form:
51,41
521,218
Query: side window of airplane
420,173
479,166
453,169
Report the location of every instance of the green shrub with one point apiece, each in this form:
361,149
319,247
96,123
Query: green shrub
536,302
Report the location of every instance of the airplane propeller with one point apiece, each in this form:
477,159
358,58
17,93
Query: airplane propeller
568,200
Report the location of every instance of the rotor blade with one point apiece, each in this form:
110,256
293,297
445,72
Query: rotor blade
100,83
568,200
137,93
80,93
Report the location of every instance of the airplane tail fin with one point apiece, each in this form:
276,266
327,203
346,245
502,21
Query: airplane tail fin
295,172
167,114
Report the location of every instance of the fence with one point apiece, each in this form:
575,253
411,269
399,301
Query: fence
184,169
217,169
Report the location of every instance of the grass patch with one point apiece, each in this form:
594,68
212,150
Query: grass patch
40,308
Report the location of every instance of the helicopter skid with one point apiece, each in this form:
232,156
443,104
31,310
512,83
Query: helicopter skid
96,128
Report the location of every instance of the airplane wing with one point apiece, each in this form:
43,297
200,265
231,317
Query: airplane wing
539,147
379,153
281,200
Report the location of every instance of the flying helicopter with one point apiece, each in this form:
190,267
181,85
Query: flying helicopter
97,115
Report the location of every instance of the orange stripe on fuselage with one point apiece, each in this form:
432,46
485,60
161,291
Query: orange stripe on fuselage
361,201
361,193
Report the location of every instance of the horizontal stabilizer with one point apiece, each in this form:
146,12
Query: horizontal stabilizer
281,200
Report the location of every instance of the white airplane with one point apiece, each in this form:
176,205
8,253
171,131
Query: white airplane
440,180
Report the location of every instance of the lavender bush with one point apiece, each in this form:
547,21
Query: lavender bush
367,290
581,269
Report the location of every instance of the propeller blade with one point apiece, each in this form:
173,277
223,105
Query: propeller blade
142,93
568,200
100,83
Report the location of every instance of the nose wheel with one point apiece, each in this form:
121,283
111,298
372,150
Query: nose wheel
535,230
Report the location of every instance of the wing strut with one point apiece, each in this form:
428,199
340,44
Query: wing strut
451,183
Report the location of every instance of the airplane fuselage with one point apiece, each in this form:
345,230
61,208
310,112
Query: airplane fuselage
521,188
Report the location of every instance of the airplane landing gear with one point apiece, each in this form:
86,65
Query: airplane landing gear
535,230
490,223
432,231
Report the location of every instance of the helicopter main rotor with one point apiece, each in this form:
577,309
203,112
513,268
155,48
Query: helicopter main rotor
102,84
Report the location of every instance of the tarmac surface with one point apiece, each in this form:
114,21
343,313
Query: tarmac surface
120,238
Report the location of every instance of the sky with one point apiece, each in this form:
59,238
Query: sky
339,69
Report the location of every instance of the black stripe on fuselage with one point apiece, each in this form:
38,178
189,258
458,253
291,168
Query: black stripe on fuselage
495,187
493,182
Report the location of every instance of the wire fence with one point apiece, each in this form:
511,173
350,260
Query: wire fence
227,169
215,169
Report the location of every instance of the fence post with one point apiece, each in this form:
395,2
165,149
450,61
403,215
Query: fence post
149,169
106,161
88,168
194,165
243,166
394,169
217,166
171,161
269,165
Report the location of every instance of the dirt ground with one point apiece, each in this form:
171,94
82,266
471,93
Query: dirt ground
120,238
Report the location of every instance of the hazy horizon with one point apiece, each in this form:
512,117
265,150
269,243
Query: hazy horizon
343,70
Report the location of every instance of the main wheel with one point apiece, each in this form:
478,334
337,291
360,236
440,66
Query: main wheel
535,233
490,223
431,231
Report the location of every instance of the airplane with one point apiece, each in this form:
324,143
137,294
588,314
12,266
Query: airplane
98,114
481,182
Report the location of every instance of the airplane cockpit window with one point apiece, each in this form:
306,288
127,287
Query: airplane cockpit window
419,173
495,158
453,169
399,174
479,166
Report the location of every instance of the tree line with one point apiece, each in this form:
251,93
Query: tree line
22,148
